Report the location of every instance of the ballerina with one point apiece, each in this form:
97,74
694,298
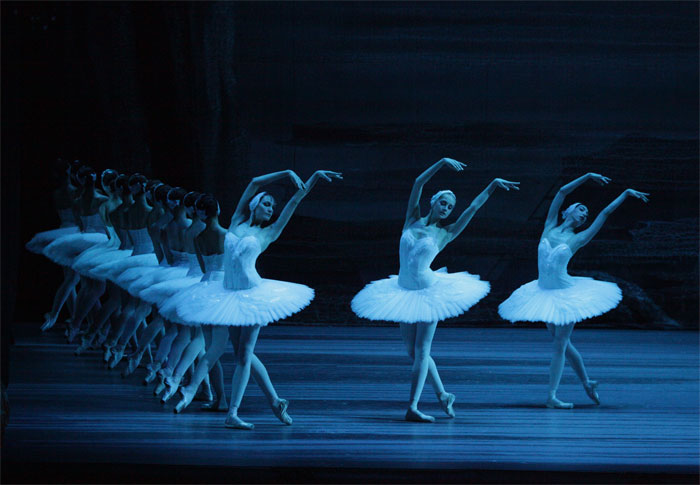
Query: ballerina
63,198
240,305
561,300
419,297
66,249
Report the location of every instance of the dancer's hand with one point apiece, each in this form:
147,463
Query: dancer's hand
643,196
296,180
599,179
453,164
506,184
328,175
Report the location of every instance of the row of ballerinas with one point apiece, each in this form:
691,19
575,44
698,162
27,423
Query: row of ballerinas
139,248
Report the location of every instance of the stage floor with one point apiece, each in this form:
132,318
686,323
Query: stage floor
348,389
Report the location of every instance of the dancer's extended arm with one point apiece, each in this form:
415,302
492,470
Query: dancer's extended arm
553,214
584,237
240,213
276,229
461,223
413,210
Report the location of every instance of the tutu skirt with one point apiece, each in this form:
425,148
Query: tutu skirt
585,298
158,293
120,262
38,243
153,277
209,302
452,294
65,249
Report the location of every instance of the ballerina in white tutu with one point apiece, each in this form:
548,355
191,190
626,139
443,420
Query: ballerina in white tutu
240,305
561,300
64,250
419,297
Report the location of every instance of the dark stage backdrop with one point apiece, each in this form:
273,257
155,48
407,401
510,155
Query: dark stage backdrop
207,95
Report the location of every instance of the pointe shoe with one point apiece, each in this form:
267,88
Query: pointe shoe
233,421
171,386
84,345
554,403
72,333
107,354
117,355
590,389
218,406
101,338
162,374
49,322
280,410
132,364
446,402
417,417
184,402
153,369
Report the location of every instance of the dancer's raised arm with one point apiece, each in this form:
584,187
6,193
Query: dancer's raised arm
279,225
553,214
240,213
584,237
461,223
413,210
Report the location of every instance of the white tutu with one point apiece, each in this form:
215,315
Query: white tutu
123,260
159,292
586,298
65,249
211,303
556,297
150,278
38,243
450,295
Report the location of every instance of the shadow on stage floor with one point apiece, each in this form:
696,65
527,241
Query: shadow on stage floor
74,421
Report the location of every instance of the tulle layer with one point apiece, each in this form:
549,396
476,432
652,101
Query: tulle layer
152,277
157,293
452,294
38,243
586,298
210,303
95,256
121,262
65,249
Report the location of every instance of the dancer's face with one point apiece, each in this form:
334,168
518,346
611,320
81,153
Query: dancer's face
579,215
136,188
265,209
443,206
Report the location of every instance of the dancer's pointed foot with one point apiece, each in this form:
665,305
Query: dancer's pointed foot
446,401
217,406
107,354
160,386
117,355
418,417
554,403
171,386
101,338
132,364
187,396
153,369
72,333
590,388
233,421
49,321
280,410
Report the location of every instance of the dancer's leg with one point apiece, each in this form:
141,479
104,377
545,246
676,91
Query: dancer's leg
561,334
70,279
424,333
244,358
573,357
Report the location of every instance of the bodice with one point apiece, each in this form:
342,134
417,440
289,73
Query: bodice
193,263
125,242
66,217
142,241
214,264
240,254
93,223
180,258
415,257
551,264
114,240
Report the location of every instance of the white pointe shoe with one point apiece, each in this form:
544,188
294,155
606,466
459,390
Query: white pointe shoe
280,410
417,417
554,403
233,421
590,389
446,402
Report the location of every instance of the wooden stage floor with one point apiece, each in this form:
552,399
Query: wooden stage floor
74,421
